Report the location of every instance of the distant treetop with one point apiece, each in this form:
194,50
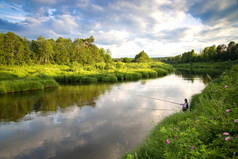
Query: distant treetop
142,57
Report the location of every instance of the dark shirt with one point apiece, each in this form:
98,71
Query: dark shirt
185,107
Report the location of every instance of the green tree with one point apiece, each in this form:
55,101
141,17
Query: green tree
2,53
62,49
126,60
221,49
142,57
43,50
107,56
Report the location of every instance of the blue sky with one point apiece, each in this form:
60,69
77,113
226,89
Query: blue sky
160,27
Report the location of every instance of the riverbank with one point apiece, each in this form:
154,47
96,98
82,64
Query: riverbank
210,130
206,67
39,77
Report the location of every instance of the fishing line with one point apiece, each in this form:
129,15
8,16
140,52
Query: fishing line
159,99
153,109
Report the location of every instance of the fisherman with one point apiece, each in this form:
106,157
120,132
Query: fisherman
185,105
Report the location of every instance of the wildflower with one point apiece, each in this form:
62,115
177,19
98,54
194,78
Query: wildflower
236,121
228,110
226,133
227,138
168,141
226,86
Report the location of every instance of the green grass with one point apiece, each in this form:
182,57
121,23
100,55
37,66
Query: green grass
38,77
199,133
206,67
27,84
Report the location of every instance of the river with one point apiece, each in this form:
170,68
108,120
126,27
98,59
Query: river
99,121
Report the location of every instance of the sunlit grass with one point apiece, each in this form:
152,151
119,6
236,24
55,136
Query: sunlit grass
23,78
209,131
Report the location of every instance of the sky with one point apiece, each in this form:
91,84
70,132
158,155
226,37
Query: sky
159,27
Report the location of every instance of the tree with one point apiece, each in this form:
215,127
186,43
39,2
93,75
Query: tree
15,50
142,57
126,60
221,49
107,56
231,50
62,49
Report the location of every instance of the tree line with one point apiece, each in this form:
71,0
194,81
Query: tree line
208,54
141,57
15,50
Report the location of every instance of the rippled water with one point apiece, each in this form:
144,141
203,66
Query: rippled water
101,121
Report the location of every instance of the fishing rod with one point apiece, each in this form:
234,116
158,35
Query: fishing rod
159,99
152,109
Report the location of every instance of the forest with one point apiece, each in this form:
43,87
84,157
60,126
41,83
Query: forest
208,54
15,50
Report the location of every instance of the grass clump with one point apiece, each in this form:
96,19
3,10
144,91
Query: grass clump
210,130
39,82
19,86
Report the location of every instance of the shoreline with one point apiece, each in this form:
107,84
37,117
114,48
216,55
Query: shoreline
17,79
199,133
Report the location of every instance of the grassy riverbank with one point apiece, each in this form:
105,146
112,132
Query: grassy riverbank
210,130
39,77
206,67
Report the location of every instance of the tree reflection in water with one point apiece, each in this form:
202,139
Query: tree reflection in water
15,106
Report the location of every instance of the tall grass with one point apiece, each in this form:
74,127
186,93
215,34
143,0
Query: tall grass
27,84
210,130
34,77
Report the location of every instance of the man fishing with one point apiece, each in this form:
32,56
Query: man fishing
185,105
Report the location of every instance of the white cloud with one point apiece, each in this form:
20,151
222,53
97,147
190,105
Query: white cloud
112,37
65,24
51,11
97,7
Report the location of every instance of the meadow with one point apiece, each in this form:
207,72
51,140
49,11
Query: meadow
209,130
39,77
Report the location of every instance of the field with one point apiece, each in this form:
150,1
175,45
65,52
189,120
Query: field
209,130
40,77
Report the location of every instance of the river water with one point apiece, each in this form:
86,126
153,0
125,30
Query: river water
99,121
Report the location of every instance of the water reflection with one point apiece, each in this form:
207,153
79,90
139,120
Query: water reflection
92,121
205,77
15,106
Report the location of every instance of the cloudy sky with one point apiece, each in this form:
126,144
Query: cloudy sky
160,27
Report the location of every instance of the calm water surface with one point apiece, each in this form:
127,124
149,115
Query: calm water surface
101,121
